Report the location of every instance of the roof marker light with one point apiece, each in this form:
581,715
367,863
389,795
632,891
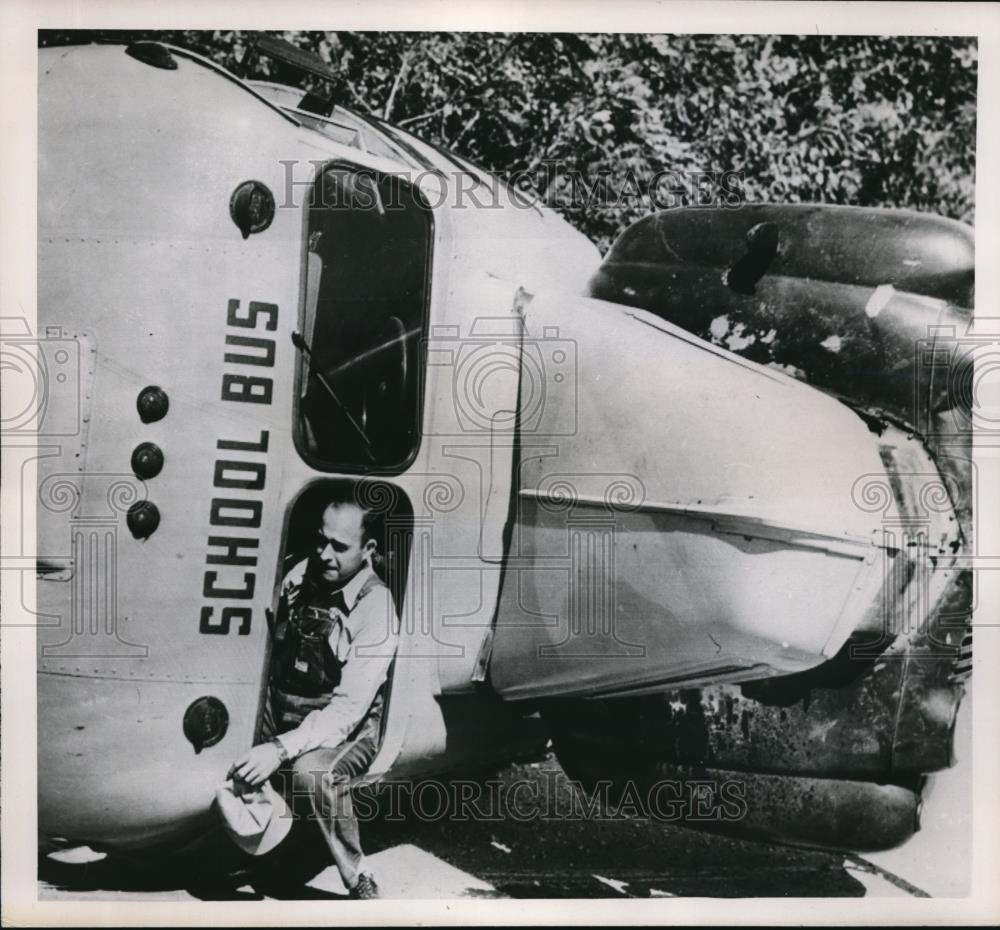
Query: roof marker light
147,460
142,519
205,722
251,207
152,404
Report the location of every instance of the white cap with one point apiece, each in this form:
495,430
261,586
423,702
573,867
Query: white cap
256,821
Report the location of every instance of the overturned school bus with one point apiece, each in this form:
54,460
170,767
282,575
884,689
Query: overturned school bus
695,510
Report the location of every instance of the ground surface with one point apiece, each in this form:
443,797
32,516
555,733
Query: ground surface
545,852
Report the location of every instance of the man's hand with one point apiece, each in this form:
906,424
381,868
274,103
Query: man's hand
258,765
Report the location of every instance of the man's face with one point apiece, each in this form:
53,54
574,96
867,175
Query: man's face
340,553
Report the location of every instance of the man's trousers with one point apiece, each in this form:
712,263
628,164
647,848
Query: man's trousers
317,786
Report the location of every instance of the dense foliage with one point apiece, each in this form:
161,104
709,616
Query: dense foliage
839,119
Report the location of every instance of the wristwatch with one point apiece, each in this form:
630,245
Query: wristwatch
282,752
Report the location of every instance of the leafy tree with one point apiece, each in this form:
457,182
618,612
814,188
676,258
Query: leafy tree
591,120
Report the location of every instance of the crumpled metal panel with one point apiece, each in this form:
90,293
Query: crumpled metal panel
886,717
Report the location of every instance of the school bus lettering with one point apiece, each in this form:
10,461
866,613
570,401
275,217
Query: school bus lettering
247,389
238,445
265,355
258,351
239,466
227,512
254,310
240,594
222,626
232,545
225,469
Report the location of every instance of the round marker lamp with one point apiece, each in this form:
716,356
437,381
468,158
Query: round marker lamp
205,722
143,519
251,207
152,404
147,460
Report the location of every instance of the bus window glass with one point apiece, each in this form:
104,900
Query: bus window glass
367,285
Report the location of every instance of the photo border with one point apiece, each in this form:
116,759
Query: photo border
18,251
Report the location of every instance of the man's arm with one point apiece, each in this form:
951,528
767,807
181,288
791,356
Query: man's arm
365,670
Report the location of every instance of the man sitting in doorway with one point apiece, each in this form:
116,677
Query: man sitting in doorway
334,639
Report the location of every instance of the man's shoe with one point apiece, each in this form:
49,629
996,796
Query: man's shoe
365,889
